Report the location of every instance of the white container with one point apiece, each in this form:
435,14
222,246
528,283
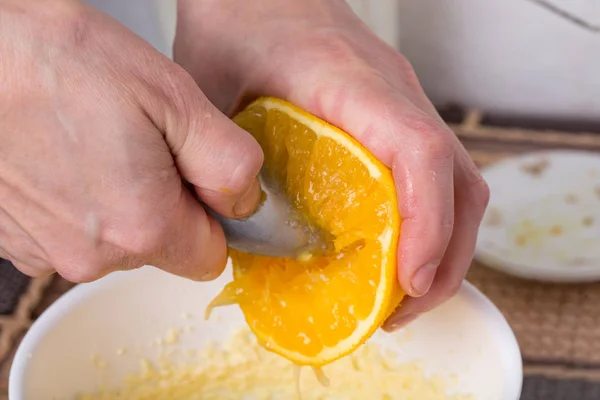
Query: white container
506,57
467,336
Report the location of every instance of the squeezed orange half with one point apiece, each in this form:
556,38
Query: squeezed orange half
317,309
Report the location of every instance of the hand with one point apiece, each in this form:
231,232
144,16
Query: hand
320,56
97,130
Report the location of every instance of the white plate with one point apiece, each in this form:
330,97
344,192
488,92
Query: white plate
543,220
467,336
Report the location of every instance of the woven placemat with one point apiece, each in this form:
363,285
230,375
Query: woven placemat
20,296
557,326
12,284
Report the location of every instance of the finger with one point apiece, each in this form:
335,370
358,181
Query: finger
219,158
424,184
196,246
472,196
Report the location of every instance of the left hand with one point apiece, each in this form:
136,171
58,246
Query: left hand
319,55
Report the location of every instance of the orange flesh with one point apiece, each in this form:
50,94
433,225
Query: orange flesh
304,307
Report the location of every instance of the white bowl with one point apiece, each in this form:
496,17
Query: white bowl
467,336
543,220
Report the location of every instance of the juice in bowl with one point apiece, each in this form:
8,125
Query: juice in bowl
142,334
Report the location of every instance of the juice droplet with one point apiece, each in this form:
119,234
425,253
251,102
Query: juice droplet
321,377
227,297
297,370
305,256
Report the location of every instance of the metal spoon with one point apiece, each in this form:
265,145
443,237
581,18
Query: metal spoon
275,229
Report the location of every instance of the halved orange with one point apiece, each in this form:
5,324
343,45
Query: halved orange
315,311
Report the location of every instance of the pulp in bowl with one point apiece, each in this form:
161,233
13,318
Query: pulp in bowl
149,324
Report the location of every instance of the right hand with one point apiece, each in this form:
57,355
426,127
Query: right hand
97,130
320,56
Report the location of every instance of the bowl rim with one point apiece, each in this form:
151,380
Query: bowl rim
542,274
499,329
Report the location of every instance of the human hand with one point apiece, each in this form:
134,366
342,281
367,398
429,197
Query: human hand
320,56
97,130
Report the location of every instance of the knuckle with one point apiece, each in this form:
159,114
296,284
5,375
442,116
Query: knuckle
434,140
144,232
181,92
189,112
80,271
27,269
474,189
482,194
140,226
438,148
19,245
479,194
140,239
408,72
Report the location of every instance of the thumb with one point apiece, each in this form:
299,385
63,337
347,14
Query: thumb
212,153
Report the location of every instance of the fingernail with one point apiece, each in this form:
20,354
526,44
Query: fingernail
423,278
398,322
248,202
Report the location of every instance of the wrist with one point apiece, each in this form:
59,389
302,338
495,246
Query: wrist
227,44
231,18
